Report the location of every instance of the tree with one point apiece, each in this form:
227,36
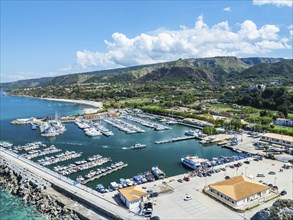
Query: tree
284,109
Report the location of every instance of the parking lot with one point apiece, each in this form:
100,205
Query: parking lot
171,205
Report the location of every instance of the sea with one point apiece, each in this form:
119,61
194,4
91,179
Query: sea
166,156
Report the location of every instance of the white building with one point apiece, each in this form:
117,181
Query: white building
238,191
132,196
279,139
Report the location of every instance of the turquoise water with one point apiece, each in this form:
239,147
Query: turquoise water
11,208
166,156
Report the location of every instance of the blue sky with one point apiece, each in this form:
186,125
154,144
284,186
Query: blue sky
49,38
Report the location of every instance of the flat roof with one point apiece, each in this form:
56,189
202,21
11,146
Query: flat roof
132,193
239,187
279,137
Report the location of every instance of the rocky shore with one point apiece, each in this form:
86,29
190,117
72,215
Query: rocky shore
281,209
32,190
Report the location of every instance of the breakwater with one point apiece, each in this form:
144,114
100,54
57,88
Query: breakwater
32,191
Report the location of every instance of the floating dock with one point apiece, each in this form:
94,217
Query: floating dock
104,174
175,139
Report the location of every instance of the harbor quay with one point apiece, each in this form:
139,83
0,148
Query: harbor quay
170,202
83,195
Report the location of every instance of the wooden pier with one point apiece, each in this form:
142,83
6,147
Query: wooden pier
104,174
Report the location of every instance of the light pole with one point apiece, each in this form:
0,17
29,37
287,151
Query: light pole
245,171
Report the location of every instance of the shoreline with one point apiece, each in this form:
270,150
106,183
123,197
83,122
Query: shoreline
83,102
78,101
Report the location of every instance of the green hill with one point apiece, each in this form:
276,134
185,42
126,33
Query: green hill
211,70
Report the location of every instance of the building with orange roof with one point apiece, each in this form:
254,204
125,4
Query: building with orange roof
132,196
238,191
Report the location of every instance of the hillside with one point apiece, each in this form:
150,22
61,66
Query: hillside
212,70
265,72
27,83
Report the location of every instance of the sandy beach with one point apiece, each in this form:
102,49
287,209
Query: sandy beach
84,102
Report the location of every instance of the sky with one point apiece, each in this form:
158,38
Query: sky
51,38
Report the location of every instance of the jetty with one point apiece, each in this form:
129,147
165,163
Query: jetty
68,155
73,168
175,139
37,153
146,123
104,174
30,146
123,126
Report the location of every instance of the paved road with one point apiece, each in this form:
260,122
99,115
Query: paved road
79,191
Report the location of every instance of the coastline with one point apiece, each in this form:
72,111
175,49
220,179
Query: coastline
84,102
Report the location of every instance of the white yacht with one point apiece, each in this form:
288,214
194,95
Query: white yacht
138,146
193,162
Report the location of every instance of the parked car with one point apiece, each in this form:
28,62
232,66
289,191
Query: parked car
180,180
148,214
272,173
260,175
227,177
155,218
186,178
149,206
247,162
154,194
284,192
187,198
149,191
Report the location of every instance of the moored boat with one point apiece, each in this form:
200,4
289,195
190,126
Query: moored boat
158,172
193,162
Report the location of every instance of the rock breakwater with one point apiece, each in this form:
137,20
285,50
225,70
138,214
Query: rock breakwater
32,191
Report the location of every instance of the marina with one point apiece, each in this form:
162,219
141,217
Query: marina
110,147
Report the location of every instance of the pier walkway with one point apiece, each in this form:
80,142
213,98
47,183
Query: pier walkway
80,192
185,138
104,174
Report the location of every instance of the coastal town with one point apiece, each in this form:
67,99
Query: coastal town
146,110
237,186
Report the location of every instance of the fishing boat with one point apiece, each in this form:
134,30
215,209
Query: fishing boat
158,173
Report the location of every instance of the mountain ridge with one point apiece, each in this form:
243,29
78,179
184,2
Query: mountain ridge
213,69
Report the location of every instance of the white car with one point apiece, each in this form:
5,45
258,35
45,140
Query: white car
187,198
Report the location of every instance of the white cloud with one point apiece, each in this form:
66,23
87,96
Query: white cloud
227,9
279,3
290,28
198,41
